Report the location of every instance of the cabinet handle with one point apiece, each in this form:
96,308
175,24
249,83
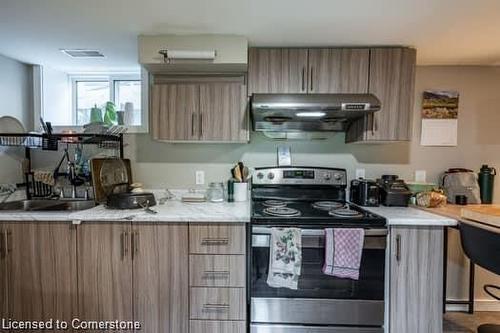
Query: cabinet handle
192,124
217,274
2,243
215,307
398,248
215,241
124,241
303,79
311,81
201,124
135,242
8,242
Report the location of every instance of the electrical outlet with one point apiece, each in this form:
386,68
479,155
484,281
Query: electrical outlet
200,177
360,173
420,176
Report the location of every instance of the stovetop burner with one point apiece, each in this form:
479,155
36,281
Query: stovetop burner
274,203
327,205
282,211
345,212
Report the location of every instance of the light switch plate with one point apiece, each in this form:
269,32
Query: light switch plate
360,173
200,177
420,176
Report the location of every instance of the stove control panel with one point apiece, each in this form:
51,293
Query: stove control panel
300,176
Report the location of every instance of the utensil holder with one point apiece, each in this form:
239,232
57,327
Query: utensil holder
240,192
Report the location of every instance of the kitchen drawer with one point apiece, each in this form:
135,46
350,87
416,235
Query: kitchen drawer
216,239
210,326
218,303
217,270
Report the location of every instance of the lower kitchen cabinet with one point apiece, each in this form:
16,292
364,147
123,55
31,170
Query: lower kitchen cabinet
207,326
38,271
104,271
416,279
161,279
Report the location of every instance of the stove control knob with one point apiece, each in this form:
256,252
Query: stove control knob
270,175
337,176
328,176
260,175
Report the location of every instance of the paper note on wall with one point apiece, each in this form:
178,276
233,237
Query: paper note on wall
439,132
439,118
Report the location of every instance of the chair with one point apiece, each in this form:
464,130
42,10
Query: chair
482,245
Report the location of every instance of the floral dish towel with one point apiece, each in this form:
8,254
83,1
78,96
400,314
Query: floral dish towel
285,258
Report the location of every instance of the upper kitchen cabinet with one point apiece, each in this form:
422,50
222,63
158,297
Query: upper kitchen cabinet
199,109
338,70
277,70
392,80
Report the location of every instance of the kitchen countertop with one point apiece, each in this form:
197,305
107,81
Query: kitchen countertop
175,210
411,216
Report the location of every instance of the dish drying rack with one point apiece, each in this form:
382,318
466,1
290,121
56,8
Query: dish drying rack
50,142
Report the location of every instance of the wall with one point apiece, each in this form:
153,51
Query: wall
56,89
173,165
15,101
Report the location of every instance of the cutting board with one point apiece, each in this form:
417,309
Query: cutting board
487,214
100,189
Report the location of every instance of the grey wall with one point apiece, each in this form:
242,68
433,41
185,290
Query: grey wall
16,101
174,165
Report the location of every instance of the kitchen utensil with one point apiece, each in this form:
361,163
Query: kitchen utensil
486,178
461,200
112,182
237,173
129,200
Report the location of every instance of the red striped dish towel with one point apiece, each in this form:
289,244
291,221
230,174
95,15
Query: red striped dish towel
343,249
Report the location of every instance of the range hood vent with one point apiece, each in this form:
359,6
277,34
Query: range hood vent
310,112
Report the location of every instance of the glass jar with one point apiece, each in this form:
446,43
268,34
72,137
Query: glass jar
215,192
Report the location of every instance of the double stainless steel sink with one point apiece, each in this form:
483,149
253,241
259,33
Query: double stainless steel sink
47,205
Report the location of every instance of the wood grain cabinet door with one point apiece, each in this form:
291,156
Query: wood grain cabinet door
392,80
277,70
161,279
42,270
4,295
338,70
104,271
416,279
223,107
174,111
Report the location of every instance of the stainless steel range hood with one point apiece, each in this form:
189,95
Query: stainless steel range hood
309,112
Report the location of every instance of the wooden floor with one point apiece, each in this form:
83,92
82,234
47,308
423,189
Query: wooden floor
459,322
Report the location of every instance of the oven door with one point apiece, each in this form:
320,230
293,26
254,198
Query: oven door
320,299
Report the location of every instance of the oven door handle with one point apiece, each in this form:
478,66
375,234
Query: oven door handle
318,232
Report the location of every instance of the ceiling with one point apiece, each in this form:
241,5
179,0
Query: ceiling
444,31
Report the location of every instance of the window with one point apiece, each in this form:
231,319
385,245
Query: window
125,92
89,94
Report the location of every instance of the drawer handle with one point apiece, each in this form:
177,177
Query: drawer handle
215,241
398,248
215,307
217,274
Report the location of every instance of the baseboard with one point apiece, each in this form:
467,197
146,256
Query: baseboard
487,305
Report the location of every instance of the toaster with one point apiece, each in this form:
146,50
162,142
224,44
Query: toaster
364,192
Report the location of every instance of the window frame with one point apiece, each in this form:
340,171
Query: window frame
142,77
